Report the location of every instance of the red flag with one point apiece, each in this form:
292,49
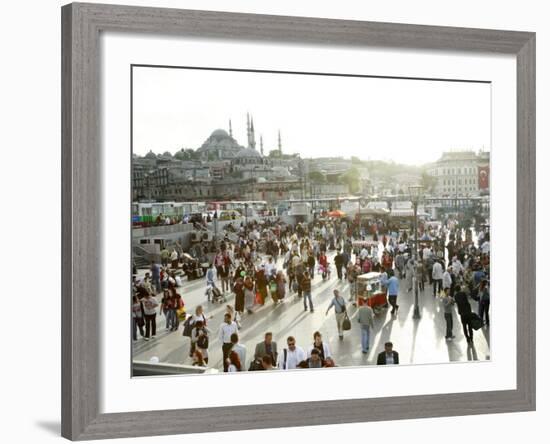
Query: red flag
483,177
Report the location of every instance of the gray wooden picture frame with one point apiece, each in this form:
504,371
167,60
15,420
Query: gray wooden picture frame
81,231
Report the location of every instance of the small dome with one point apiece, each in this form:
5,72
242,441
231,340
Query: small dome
248,152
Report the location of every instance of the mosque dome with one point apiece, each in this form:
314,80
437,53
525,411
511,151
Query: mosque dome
248,153
220,134
221,144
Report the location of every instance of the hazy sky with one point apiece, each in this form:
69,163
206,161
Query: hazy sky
408,121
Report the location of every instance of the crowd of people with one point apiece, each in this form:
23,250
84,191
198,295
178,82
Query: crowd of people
451,260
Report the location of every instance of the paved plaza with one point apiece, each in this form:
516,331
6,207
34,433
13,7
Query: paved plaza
419,341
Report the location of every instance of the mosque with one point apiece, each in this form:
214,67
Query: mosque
247,161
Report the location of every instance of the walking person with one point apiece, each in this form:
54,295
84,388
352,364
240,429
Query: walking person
280,280
249,294
365,317
149,310
234,362
484,301
339,263
268,347
320,346
437,277
137,318
465,312
200,340
306,291
389,356
155,277
291,357
210,281
226,330
339,304
447,281
392,284
448,303
238,348
238,289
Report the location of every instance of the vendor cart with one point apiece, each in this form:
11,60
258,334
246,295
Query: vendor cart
369,291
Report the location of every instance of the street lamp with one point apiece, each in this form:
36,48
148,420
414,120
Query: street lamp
245,219
415,192
216,228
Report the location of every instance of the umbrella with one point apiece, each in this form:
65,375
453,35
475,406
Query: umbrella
336,213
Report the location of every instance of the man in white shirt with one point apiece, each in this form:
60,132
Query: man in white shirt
486,247
426,253
270,268
226,330
447,279
291,356
239,349
437,277
457,266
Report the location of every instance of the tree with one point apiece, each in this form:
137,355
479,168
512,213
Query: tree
186,154
274,154
427,181
352,178
317,177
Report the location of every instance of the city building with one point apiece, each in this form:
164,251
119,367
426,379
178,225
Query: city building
462,173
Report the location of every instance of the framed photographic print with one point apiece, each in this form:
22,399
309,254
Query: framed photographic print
292,221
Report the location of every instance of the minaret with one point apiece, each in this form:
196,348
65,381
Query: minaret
248,128
230,129
251,137
261,146
280,144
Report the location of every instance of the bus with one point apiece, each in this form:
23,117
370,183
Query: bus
146,213
253,208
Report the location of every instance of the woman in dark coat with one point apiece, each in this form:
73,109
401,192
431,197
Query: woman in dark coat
239,293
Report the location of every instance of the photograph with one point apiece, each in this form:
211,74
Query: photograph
286,221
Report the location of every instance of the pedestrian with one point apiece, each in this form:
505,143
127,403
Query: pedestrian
306,291
261,285
291,356
339,263
137,318
280,280
238,289
319,345
365,317
168,309
249,294
409,272
389,356
392,284
437,277
210,281
149,310
238,348
484,301
234,363
226,330
198,359
267,347
465,312
339,304
155,277
266,363
200,340
234,315
315,360
448,303
447,280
